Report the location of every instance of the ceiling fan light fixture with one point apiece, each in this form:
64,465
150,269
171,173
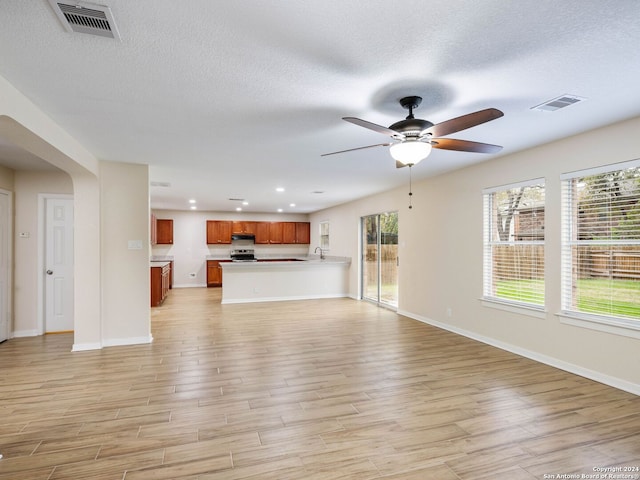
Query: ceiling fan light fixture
410,152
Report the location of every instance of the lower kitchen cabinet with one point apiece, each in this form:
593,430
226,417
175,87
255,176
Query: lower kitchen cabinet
214,273
160,282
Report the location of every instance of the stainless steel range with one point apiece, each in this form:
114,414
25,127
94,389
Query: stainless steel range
243,255
242,250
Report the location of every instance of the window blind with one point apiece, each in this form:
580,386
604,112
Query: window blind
601,242
514,243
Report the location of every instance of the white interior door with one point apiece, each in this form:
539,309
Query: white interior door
5,226
58,265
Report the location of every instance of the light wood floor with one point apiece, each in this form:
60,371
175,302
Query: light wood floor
306,390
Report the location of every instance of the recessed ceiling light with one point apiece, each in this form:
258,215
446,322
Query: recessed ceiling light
279,210
192,200
245,203
292,204
193,207
280,189
238,209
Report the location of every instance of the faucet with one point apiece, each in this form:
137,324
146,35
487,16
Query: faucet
321,252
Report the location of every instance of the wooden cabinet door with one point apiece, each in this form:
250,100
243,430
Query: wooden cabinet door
244,227
156,286
262,232
214,273
219,231
153,230
164,231
275,232
288,232
303,232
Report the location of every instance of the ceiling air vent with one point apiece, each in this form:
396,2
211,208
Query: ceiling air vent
82,17
159,184
558,103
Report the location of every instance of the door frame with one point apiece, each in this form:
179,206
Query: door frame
42,218
362,255
9,253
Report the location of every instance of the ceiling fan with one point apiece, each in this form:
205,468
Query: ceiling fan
413,138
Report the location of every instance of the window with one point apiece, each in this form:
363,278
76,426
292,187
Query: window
601,243
324,235
514,244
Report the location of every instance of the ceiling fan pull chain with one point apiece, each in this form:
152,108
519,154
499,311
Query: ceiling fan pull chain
410,193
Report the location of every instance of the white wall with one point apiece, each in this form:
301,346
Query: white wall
27,186
441,255
124,204
190,247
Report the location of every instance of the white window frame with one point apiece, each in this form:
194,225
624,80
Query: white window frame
488,298
323,231
612,324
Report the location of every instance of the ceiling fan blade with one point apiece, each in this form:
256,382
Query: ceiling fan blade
399,164
358,148
464,145
373,126
463,122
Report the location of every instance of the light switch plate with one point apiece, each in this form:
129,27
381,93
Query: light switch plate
135,244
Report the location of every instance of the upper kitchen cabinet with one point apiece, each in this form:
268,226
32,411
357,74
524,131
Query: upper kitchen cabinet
275,232
153,230
219,231
303,232
296,232
289,232
262,232
244,227
164,231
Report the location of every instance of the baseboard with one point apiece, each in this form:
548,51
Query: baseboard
25,333
119,342
190,285
538,357
83,347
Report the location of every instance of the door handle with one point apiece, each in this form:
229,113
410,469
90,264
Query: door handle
49,272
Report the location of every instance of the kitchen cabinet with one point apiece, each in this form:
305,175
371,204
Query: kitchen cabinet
288,232
303,232
160,282
262,232
296,232
275,232
164,231
219,231
244,227
153,229
214,273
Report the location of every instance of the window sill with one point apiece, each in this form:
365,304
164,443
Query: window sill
616,326
519,308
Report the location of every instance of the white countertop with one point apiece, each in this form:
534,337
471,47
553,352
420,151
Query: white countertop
158,264
289,261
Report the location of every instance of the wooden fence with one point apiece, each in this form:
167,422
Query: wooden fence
388,264
621,262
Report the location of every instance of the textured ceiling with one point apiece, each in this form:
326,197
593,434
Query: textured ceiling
233,99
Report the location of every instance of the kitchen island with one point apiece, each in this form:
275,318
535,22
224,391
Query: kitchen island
294,278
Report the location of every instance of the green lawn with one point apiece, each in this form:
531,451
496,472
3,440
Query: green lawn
619,298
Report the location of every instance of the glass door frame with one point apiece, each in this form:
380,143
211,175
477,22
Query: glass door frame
381,298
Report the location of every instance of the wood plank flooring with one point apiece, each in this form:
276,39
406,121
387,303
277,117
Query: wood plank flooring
313,390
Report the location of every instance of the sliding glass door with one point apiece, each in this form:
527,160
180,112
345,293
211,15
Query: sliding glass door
380,258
